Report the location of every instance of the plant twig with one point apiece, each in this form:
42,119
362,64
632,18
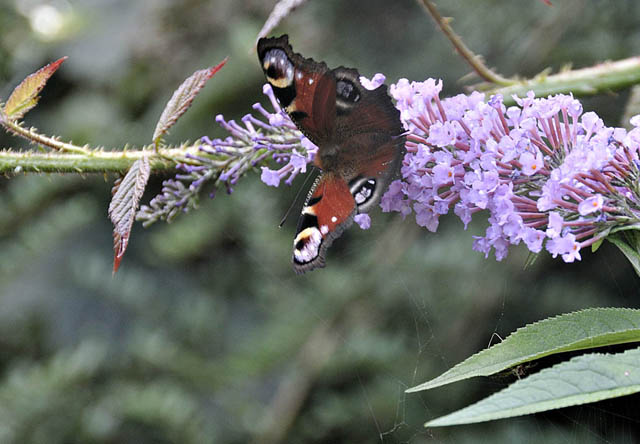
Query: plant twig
294,389
97,161
472,59
601,78
34,137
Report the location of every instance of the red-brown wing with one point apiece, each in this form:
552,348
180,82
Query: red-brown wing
328,211
368,136
305,88
375,169
362,111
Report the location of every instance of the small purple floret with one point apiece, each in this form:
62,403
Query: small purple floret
270,177
363,220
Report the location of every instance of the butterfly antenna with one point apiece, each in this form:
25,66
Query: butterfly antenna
293,204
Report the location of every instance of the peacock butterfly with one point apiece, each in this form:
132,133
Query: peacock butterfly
359,137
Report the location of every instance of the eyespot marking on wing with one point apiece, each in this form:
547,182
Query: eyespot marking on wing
278,68
306,245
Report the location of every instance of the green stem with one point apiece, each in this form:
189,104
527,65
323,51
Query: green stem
601,78
92,162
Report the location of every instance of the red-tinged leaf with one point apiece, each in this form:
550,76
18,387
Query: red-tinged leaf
126,194
25,96
280,11
182,99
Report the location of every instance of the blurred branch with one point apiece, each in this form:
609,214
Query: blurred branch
474,60
601,78
328,334
281,10
292,392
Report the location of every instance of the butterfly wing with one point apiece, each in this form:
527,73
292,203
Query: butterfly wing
305,88
360,110
373,176
327,212
370,136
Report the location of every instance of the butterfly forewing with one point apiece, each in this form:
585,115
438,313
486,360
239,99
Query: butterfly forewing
305,89
362,111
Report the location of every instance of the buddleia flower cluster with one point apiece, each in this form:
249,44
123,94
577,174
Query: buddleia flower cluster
258,139
547,174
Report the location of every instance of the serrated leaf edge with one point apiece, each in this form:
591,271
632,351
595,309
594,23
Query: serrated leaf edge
124,205
182,99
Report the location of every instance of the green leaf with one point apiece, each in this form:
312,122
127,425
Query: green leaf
583,379
182,98
25,96
630,227
596,245
124,204
531,259
629,243
594,327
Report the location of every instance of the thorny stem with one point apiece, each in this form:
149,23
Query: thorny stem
598,79
474,60
34,137
95,161
70,158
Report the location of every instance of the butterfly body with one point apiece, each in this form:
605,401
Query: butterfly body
359,137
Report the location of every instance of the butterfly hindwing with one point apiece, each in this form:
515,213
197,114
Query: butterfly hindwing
328,211
375,175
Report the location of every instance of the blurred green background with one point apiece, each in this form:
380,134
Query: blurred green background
206,335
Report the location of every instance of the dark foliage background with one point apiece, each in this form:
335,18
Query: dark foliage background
205,334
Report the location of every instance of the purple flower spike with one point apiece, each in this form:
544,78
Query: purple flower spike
544,173
258,139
